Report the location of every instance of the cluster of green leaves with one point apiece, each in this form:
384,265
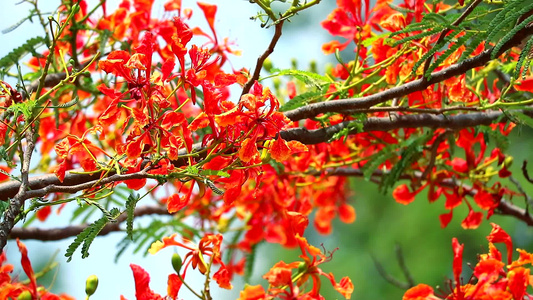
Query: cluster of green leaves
13,57
87,236
410,151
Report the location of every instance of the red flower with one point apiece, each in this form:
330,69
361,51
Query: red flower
419,292
402,194
498,235
142,282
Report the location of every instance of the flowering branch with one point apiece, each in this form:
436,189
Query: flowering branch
504,206
346,105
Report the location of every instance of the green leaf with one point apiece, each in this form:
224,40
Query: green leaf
509,35
133,198
418,36
522,118
250,261
303,99
412,152
88,235
451,50
507,17
16,54
434,50
349,128
306,77
14,26
378,159
523,57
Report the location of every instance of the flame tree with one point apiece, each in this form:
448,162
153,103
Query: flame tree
120,115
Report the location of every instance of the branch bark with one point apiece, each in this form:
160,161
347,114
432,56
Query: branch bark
15,204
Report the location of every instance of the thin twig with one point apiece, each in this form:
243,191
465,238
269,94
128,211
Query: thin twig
504,207
524,171
389,278
529,201
403,266
277,34
433,156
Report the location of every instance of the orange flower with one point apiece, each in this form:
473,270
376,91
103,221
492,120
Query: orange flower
419,292
253,292
498,235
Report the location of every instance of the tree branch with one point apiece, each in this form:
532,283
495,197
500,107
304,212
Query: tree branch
277,34
345,105
41,185
55,234
460,121
15,204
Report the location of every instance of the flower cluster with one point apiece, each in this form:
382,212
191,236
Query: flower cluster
494,276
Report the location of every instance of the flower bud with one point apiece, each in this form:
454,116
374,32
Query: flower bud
508,161
302,267
176,262
267,65
26,295
91,284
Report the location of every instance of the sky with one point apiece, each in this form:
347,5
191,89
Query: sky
233,21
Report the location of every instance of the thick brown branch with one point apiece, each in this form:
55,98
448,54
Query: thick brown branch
346,105
460,121
42,185
55,234
261,60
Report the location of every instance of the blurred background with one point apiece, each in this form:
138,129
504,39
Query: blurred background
381,225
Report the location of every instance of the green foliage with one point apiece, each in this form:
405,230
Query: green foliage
144,236
304,99
522,118
16,54
133,198
309,78
25,108
350,127
250,261
524,60
509,35
88,235
67,104
412,152
507,17
418,36
451,50
214,173
14,26
434,50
